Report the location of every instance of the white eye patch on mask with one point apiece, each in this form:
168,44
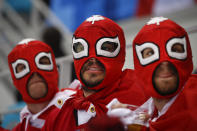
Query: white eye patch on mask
23,71
176,54
79,48
108,47
153,57
43,66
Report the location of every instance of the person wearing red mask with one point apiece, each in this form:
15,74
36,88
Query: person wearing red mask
163,55
163,61
35,75
99,54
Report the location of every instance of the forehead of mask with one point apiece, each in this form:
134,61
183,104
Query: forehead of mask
92,32
159,34
28,51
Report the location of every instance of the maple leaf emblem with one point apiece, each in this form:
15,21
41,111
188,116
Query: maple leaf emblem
156,20
95,18
26,41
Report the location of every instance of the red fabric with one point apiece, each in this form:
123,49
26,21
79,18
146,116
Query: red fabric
92,33
62,122
158,32
45,115
27,51
145,7
125,89
78,101
105,123
181,116
2,129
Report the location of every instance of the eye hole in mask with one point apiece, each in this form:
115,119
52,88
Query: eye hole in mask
20,68
147,53
44,61
79,48
108,47
176,48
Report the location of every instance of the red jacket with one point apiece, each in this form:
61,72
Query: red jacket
78,110
37,121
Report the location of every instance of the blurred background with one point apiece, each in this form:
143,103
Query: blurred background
54,21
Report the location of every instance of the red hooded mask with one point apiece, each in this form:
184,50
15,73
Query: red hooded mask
92,34
28,52
160,34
